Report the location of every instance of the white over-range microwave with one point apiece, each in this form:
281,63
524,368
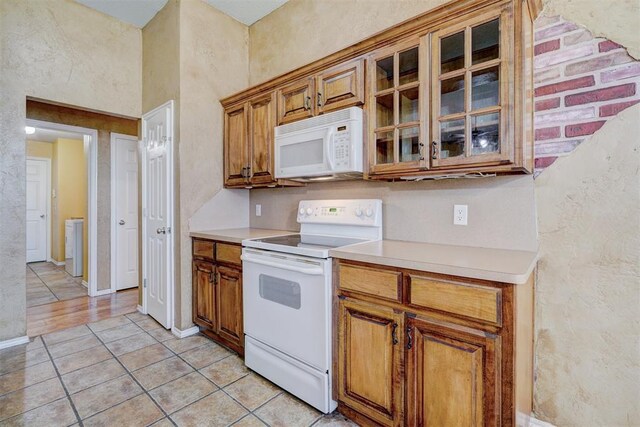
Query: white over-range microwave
321,148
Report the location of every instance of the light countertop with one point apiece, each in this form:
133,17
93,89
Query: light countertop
237,235
477,263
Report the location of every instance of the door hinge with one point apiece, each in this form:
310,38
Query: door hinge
144,283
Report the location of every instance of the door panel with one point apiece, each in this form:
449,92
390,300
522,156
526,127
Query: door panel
36,220
369,353
204,294
157,202
341,86
262,116
295,101
236,147
126,210
229,301
448,364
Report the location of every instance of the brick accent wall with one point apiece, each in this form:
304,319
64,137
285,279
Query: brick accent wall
580,83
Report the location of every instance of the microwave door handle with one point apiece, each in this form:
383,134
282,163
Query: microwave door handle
329,149
312,271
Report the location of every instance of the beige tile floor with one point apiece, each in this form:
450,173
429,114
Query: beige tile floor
129,371
47,282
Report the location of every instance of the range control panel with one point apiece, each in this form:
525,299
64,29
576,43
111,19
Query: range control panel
347,212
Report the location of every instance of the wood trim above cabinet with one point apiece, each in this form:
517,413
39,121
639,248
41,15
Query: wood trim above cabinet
419,25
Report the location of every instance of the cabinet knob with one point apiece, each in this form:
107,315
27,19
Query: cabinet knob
434,150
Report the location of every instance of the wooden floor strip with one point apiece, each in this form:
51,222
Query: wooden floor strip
46,318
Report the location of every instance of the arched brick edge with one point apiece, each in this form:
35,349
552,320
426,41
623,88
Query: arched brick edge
580,83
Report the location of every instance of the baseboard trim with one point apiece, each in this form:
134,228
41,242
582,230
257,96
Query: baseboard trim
85,284
186,333
14,341
141,309
103,292
58,263
526,420
534,422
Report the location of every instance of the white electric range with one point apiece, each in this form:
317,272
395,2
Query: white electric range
287,295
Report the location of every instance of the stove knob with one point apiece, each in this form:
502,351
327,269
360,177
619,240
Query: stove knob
301,211
369,212
358,212
309,211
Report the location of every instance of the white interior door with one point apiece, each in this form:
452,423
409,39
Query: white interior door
37,194
157,190
125,199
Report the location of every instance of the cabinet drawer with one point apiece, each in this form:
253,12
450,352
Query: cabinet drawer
229,253
477,302
203,248
379,283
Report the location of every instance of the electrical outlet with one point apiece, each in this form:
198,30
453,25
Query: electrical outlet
460,214
258,210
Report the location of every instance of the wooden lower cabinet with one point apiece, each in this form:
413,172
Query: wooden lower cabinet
451,376
370,351
217,295
449,352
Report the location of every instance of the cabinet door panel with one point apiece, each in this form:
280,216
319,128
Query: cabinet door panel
229,299
448,364
341,86
369,354
235,145
295,101
204,296
261,123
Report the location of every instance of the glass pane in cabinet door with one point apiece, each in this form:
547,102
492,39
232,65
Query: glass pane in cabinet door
452,96
452,53
485,88
409,105
408,66
384,110
485,42
451,138
485,133
410,144
384,73
384,147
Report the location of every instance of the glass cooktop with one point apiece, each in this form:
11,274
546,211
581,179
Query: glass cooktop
310,241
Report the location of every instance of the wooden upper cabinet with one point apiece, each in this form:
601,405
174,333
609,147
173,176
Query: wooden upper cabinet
369,361
229,299
236,148
471,96
262,118
295,101
452,375
397,108
204,294
340,87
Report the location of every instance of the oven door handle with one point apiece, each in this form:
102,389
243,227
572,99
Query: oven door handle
312,271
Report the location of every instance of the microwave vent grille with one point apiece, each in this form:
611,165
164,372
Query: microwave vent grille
322,120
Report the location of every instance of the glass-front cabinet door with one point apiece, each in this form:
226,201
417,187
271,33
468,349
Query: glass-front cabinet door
396,106
470,93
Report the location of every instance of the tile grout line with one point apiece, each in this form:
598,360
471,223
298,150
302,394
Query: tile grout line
64,387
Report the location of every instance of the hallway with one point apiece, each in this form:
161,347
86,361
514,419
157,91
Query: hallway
47,282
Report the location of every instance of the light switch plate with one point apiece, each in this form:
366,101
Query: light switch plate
258,210
460,214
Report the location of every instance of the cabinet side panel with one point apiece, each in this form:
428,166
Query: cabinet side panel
524,300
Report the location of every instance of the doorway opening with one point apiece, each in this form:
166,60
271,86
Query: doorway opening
61,212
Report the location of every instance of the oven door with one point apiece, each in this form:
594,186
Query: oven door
287,304
305,153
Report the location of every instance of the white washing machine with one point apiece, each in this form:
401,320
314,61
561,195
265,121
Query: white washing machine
73,246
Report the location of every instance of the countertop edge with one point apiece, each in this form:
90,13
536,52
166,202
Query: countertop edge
219,235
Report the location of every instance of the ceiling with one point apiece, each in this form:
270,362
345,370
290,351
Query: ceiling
47,135
140,12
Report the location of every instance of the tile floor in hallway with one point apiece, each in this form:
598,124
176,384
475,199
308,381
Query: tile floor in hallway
47,282
129,371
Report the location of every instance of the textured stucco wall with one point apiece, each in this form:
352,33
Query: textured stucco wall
64,52
588,290
211,68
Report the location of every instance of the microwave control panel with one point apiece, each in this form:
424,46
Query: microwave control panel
340,140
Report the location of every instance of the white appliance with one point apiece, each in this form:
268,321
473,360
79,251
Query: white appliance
73,246
287,295
321,148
